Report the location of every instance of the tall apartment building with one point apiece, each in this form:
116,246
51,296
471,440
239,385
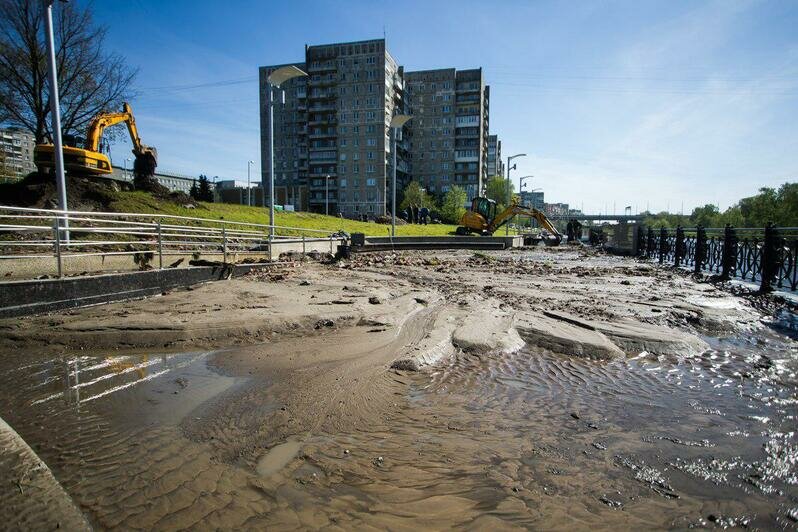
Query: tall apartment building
495,161
17,158
450,129
332,138
332,144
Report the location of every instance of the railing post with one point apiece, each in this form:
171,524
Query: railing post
224,245
663,244
700,249
57,235
650,245
160,247
303,246
678,253
640,243
729,261
770,257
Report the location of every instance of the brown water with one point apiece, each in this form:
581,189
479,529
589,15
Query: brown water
528,439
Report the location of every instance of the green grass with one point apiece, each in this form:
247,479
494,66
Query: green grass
142,202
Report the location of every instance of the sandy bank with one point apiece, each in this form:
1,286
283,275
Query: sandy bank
304,414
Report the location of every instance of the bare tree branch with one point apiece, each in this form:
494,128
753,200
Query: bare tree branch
90,79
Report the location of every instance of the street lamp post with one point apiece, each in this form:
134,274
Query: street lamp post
521,182
507,194
249,187
275,79
396,127
127,175
327,194
55,110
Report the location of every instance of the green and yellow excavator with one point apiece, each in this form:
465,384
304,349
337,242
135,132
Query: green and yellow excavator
89,161
483,219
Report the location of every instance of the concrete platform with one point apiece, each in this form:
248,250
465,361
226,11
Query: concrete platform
439,242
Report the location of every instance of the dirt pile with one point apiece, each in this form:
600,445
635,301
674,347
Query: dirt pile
83,194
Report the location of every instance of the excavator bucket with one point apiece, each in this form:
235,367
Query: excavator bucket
146,161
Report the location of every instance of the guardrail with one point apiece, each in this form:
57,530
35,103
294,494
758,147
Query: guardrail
68,235
768,255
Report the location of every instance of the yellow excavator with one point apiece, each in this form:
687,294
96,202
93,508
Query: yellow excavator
483,219
88,161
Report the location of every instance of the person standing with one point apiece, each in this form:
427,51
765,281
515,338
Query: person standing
409,212
415,214
424,213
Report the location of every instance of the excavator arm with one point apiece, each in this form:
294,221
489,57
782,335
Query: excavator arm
146,156
90,161
515,209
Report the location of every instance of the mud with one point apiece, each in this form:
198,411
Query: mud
552,389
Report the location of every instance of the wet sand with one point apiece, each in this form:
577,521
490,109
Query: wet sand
552,389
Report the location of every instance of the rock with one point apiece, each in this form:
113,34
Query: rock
574,415
324,323
304,282
374,300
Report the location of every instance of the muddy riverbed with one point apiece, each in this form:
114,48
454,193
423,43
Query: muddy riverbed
553,389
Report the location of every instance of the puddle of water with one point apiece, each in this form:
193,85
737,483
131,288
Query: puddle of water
278,457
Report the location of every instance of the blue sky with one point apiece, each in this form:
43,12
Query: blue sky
649,104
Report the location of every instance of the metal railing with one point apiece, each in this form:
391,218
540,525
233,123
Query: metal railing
767,256
28,233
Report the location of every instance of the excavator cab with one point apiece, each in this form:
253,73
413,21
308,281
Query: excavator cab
485,208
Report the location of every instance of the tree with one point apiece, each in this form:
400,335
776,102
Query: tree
496,189
706,216
204,193
90,80
452,207
194,192
415,195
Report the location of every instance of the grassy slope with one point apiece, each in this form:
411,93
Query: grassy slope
142,202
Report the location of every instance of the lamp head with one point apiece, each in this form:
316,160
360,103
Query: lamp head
283,74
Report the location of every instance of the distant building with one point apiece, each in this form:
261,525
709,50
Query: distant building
235,191
495,161
449,129
332,136
174,182
533,199
556,209
17,154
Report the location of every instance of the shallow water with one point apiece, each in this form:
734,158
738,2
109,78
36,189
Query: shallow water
528,439
545,441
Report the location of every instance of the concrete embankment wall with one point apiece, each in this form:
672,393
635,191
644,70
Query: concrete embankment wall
22,298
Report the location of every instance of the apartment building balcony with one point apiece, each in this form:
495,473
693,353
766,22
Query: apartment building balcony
322,135
330,120
317,183
323,95
467,98
466,156
317,174
327,66
323,82
466,121
326,106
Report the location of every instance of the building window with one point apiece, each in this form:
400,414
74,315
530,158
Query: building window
342,183
371,182
370,155
370,169
371,142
